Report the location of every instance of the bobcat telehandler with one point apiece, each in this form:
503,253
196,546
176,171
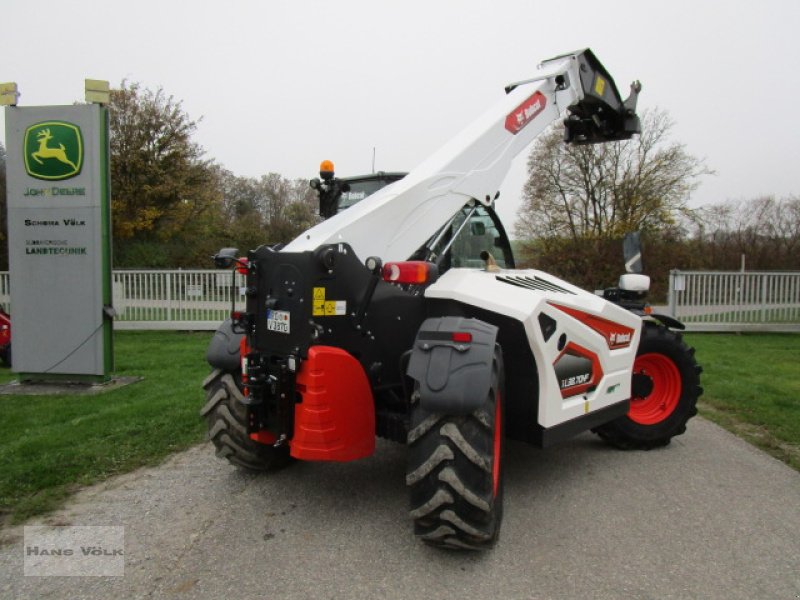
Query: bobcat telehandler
402,317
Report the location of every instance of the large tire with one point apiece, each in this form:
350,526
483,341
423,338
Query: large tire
672,383
227,426
455,473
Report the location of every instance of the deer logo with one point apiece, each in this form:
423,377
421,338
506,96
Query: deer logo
44,151
53,150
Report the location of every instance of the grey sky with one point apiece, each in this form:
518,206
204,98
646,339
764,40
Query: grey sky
282,85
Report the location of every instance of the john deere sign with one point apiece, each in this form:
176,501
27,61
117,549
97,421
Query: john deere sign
53,150
59,234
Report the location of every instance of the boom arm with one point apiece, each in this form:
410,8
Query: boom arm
398,219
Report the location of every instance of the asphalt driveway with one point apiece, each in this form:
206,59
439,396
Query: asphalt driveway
707,517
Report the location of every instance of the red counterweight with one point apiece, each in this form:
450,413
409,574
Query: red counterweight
336,419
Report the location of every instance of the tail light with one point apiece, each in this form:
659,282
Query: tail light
244,350
414,272
241,265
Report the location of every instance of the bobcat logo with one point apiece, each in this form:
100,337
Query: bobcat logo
53,150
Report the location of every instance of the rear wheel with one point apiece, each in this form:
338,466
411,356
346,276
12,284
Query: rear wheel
455,471
227,426
666,385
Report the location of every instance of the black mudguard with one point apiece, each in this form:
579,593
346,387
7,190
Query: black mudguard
454,376
667,321
223,351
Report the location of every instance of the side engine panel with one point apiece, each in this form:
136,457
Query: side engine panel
583,346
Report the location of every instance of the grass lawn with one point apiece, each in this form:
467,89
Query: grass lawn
50,445
752,388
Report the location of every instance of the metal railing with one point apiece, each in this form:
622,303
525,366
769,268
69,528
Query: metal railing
735,301
703,300
165,299
177,299
5,291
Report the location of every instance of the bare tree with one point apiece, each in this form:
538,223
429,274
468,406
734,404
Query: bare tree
765,229
605,190
267,210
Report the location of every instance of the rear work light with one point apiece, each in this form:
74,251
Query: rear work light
412,271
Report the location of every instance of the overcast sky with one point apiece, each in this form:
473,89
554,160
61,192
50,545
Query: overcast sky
282,85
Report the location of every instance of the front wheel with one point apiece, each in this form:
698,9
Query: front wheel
455,473
665,388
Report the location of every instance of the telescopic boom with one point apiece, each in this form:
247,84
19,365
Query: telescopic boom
397,220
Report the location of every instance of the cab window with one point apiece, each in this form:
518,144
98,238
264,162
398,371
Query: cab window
358,191
482,231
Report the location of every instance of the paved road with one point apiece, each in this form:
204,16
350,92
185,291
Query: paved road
707,517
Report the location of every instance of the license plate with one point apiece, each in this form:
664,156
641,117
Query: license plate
278,320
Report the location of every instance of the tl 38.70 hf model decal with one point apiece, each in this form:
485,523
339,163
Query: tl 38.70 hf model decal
577,369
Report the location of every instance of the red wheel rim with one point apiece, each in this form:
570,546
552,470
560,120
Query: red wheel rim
661,402
498,438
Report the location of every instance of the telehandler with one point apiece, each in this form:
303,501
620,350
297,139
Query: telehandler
403,317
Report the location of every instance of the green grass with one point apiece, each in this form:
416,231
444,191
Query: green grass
51,445
752,388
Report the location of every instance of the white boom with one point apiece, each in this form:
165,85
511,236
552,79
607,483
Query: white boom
398,219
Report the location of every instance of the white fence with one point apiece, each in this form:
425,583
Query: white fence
5,290
735,301
176,299
182,299
703,300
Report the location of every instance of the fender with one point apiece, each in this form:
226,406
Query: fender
667,321
449,361
223,351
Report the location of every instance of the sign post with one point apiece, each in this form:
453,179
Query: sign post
59,236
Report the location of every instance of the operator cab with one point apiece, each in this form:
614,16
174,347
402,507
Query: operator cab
338,194
362,186
460,243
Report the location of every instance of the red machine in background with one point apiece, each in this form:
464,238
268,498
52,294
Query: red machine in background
5,337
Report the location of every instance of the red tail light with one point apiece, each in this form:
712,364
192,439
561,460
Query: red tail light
411,271
462,337
244,350
241,266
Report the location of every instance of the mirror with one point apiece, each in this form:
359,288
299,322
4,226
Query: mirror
632,252
225,258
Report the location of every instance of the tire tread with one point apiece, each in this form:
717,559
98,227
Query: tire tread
450,474
624,433
226,417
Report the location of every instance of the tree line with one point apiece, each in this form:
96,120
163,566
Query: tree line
172,206
579,202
